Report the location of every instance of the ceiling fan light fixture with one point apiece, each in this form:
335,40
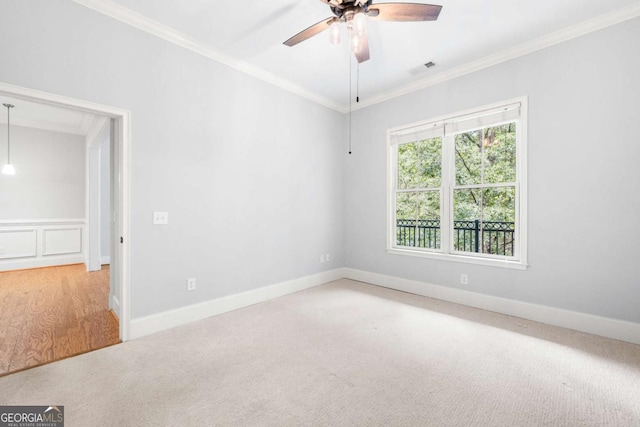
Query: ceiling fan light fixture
334,32
356,42
356,25
360,22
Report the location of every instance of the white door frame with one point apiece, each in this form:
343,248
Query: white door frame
122,164
93,236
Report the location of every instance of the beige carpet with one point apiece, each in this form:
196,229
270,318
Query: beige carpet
346,353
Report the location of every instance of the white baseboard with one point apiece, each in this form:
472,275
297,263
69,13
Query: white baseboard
603,326
105,260
597,325
114,304
22,264
170,319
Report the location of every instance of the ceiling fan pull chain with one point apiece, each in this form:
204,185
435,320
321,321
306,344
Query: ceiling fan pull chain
350,94
358,83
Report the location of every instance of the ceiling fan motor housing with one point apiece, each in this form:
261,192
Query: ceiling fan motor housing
348,8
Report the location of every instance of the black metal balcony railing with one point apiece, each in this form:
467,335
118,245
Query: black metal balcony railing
488,237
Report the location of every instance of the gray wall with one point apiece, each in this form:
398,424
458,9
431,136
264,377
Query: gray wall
584,148
49,182
251,175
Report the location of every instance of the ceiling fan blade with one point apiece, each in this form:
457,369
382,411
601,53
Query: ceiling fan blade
362,54
403,12
310,32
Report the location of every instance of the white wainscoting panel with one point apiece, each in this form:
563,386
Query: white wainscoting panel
41,243
18,243
61,241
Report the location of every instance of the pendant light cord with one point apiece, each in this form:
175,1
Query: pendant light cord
9,107
8,136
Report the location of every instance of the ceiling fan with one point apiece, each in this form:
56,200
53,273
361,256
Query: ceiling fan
354,14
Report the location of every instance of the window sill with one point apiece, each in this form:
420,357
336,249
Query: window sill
501,263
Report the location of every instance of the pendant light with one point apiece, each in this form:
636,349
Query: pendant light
8,169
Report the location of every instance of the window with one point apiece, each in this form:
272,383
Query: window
458,187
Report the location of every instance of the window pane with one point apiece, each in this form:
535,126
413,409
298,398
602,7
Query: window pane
500,154
486,156
428,228
467,211
418,219
484,220
468,152
420,164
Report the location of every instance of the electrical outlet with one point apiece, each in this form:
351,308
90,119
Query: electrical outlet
327,257
464,279
322,259
191,284
160,218
1,250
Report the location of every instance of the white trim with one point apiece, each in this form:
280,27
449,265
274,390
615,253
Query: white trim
114,304
143,23
92,199
86,122
56,100
447,251
551,39
522,189
460,257
30,254
597,325
47,253
50,261
94,129
522,100
38,222
105,260
50,127
180,316
123,138
40,256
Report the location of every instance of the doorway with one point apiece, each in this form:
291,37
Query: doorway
56,243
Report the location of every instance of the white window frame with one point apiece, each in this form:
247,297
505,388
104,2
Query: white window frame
446,251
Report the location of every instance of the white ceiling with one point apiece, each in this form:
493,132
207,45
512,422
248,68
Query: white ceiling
466,32
47,117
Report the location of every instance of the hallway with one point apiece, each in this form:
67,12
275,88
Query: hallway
49,314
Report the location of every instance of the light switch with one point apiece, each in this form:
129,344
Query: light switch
160,218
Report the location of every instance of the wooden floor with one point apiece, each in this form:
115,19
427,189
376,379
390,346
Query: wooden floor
48,314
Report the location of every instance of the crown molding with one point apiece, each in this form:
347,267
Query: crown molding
143,23
46,126
551,39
